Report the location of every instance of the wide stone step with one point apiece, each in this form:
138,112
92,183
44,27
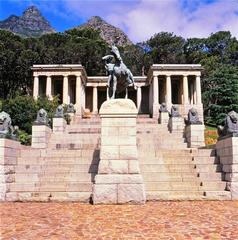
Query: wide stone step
206,160
167,168
57,168
54,177
211,176
55,187
213,185
208,168
218,195
161,160
173,186
175,195
49,196
70,145
162,177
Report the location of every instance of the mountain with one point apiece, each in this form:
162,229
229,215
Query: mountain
30,24
108,32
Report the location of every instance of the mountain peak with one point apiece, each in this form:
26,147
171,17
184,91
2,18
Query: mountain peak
111,34
31,11
30,24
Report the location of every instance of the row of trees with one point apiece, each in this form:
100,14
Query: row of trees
218,54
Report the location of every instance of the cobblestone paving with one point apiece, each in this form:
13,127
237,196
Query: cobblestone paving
155,220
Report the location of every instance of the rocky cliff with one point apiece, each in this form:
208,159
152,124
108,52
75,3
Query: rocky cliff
108,32
30,24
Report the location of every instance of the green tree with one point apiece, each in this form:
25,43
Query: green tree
220,93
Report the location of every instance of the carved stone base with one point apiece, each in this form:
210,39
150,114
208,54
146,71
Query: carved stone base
176,124
164,118
119,180
59,125
195,135
9,151
227,151
40,136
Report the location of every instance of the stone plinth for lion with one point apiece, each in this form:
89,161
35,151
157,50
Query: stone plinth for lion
119,180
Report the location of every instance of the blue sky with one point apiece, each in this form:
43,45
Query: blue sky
140,19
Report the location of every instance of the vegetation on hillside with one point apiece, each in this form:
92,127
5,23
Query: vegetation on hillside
218,54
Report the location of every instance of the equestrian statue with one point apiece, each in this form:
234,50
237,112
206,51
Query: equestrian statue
119,76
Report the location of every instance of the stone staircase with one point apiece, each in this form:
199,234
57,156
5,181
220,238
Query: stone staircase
66,169
171,171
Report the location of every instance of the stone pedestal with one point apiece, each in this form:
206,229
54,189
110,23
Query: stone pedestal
119,180
227,151
40,136
155,110
59,125
164,118
176,124
9,152
195,135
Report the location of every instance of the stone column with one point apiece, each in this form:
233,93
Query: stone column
48,87
78,94
185,90
95,100
119,179
198,90
36,87
168,92
138,99
66,90
155,97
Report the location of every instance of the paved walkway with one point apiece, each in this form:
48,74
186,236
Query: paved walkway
155,220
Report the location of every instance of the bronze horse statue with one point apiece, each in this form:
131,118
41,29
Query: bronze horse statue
119,76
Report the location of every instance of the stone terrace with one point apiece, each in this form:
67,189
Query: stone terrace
185,220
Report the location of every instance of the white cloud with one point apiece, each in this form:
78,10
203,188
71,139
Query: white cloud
150,17
141,19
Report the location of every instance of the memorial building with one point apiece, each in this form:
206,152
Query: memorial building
174,84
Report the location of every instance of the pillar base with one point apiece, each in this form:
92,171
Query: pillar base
40,136
195,135
176,124
155,111
59,125
119,180
227,151
9,152
164,118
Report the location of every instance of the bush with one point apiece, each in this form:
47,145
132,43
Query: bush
24,138
23,111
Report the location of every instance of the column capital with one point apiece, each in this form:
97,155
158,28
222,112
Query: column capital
198,75
36,74
168,75
185,75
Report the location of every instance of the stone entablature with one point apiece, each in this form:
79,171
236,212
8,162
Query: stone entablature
174,84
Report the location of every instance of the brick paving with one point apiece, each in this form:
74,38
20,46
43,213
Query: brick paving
155,220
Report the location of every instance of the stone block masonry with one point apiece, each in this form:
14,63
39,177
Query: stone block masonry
195,135
59,125
9,152
119,180
227,151
40,136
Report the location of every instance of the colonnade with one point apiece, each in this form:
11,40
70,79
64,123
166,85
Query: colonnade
168,92
79,91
